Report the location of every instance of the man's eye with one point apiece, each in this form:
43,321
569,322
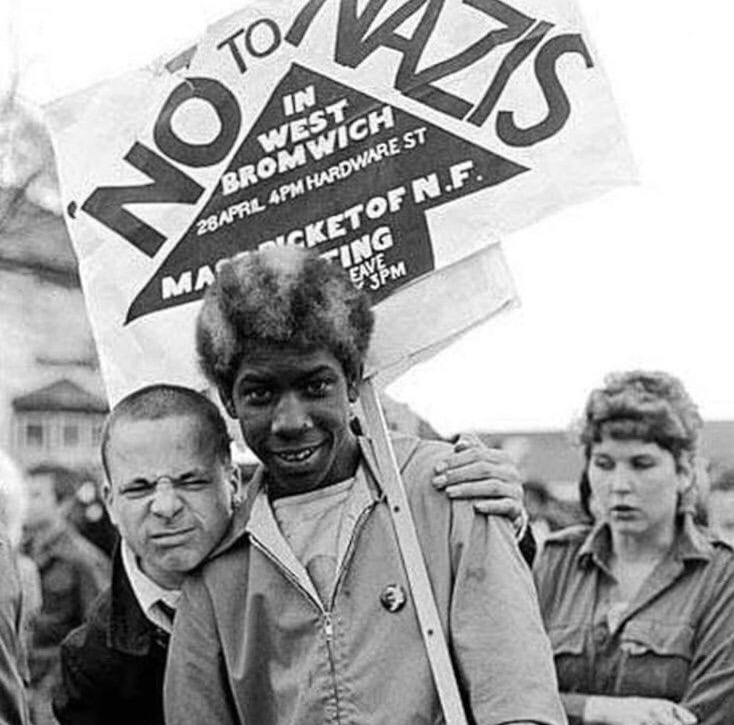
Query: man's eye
317,388
257,396
193,484
136,490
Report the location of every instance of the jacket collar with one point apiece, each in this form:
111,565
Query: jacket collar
240,517
403,446
690,544
690,547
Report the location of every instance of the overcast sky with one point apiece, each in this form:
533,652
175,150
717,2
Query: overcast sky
642,277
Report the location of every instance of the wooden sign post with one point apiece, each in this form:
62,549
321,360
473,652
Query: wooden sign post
415,566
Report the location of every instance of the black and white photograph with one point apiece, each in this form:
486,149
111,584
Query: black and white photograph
366,361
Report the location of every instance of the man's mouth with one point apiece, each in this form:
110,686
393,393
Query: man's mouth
173,536
297,455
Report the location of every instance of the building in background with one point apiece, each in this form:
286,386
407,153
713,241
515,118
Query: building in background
59,423
47,340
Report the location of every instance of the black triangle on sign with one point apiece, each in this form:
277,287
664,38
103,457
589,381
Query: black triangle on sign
333,169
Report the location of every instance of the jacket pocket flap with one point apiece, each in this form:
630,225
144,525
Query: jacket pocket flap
662,638
567,639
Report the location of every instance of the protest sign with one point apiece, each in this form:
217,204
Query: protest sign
398,138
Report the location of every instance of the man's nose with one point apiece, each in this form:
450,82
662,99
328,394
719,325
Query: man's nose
291,416
166,502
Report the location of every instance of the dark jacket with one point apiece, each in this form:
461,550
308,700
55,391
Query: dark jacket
13,709
73,573
113,665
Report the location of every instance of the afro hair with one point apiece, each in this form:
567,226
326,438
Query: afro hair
281,295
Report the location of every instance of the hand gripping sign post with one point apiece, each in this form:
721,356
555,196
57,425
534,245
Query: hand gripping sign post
398,138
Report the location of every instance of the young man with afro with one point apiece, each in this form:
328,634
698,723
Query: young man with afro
307,617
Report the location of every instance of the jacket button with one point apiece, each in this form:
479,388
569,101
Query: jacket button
393,598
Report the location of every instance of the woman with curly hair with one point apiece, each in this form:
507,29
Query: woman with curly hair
640,604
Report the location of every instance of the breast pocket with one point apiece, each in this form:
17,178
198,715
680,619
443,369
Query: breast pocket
572,667
655,659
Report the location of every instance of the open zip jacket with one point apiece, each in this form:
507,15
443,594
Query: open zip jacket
253,644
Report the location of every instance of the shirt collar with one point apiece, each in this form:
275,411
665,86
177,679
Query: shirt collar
690,544
147,592
262,525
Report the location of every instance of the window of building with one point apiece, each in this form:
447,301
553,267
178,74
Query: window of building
96,433
34,435
71,434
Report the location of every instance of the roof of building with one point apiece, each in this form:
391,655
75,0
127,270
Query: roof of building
63,395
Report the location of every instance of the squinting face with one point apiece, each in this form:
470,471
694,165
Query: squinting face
635,486
168,494
293,409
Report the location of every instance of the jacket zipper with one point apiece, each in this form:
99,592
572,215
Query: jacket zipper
329,634
350,551
327,623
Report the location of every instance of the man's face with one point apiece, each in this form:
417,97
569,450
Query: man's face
168,494
43,508
293,409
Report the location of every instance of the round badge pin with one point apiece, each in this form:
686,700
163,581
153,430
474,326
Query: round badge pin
393,598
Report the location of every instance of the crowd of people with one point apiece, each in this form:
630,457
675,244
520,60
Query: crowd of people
284,600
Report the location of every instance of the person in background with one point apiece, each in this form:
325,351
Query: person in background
13,507
19,584
73,572
721,505
639,605
307,616
13,706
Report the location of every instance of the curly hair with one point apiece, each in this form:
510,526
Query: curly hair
649,406
281,295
